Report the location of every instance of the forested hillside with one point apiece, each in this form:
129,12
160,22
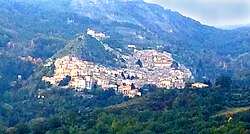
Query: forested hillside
211,110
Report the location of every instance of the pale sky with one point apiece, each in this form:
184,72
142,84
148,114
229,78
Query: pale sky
211,12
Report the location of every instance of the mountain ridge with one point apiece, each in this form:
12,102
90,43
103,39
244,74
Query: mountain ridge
147,26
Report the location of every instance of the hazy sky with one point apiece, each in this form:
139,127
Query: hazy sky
211,12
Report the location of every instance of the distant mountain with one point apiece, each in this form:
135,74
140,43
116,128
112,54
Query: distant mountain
231,27
187,39
208,51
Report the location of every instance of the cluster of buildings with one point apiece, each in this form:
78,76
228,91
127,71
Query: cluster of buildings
142,68
79,71
154,67
32,60
199,85
96,35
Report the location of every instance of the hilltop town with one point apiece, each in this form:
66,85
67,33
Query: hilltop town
142,68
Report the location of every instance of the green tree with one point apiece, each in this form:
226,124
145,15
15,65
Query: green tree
138,62
116,126
65,81
3,130
22,128
38,126
53,123
223,81
4,84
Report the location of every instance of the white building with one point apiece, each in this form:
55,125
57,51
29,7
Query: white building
80,85
89,82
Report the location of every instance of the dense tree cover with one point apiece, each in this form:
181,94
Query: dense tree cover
162,111
172,111
93,50
4,39
11,67
223,81
46,47
46,21
65,81
23,111
4,84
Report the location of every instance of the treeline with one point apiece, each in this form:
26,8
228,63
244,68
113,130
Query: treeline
173,111
162,111
25,110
